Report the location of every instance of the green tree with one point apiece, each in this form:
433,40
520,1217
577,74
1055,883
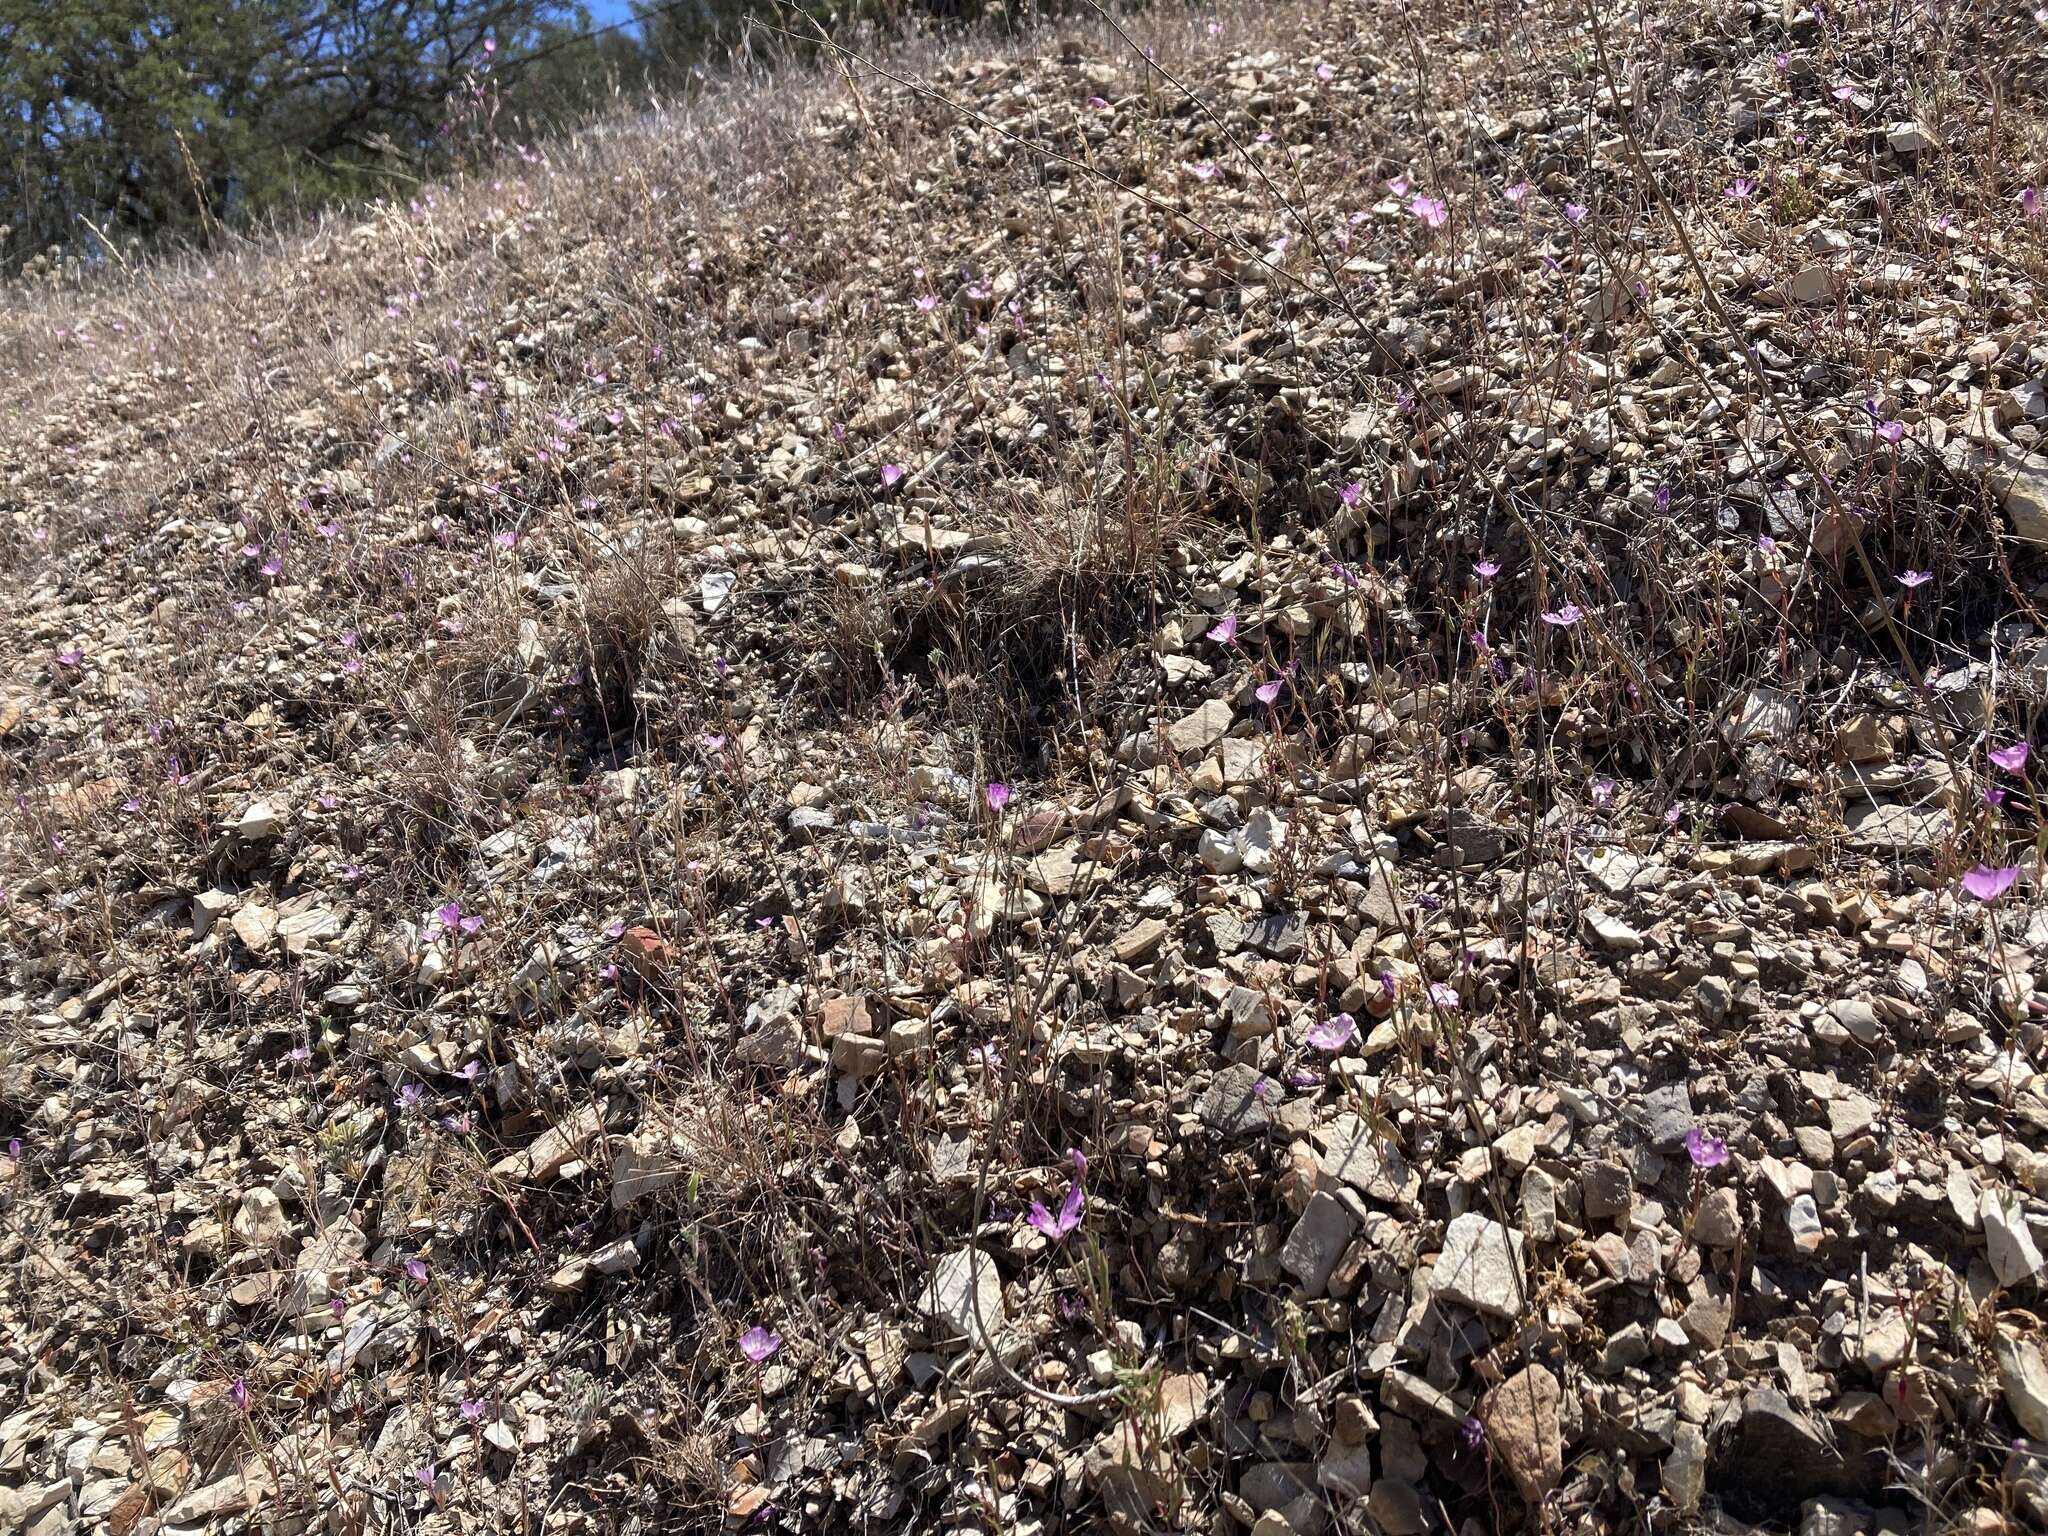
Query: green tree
165,117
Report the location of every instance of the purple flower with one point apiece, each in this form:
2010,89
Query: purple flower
1333,1034
1224,630
1486,570
927,302
14,1149
1704,1150
1351,492
238,1391
1993,795
1056,1228
2012,759
1443,994
450,916
416,1270
1912,579
998,796
757,1343
1565,617
891,473
1739,190
410,1095
1576,212
1988,884
1433,211
1892,431
472,1409
1398,186
425,1474
1603,792
1516,192
505,539
1268,692
2030,203
1472,1433
301,1053
70,656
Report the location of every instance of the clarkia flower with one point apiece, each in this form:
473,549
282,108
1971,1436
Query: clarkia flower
1472,1433
998,796
1988,884
891,473
1486,570
238,1392
757,1343
416,1270
1912,579
1056,1227
1576,212
1333,1034
1739,190
1516,192
1565,617
1443,994
1433,211
1705,1151
1351,492
1224,630
472,1409
1269,691
2012,759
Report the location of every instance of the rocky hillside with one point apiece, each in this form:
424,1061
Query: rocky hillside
1266,771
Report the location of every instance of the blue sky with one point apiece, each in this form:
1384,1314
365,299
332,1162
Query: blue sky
604,12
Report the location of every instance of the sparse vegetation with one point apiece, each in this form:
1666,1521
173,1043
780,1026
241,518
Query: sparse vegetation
1267,768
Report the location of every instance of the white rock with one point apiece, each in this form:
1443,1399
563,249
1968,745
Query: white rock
1218,852
616,1258
714,587
207,907
964,1297
1262,838
1317,1243
1606,931
2008,1242
1802,1221
258,823
1481,1266
261,1221
2023,1374
642,1166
